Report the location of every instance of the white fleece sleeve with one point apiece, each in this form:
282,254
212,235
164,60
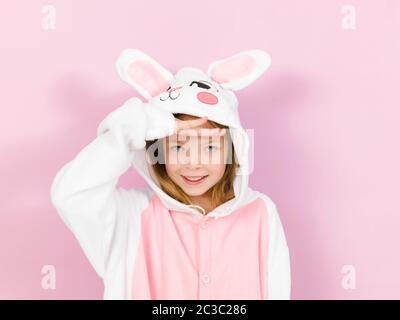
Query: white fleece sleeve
279,278
84,190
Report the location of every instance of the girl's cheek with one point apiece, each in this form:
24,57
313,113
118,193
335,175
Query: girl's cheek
171,159
217,170
171,165
212,158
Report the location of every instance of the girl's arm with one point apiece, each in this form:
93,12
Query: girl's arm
84,190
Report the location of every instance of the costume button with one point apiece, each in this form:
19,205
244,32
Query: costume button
204,225
206,278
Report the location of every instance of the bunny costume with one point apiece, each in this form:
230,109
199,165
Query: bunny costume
145,244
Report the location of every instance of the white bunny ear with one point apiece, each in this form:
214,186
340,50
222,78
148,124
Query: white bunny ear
240,70
143,73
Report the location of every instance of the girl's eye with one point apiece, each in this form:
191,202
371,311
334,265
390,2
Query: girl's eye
212,148
176,148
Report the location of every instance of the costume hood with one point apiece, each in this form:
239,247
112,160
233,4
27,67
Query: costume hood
194,92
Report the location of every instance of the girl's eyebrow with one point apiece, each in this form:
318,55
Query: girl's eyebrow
203,139
212,142
174,139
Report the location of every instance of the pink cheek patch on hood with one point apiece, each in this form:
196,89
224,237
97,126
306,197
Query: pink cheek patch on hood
207,98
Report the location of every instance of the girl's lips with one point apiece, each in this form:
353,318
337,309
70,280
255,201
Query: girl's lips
194,180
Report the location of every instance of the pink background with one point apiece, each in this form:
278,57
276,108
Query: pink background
325,118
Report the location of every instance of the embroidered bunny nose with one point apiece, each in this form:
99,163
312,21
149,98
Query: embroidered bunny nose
173,89
207,98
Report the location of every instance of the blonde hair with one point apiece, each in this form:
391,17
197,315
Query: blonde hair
218,193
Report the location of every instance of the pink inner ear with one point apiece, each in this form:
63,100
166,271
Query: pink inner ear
145,75
233,68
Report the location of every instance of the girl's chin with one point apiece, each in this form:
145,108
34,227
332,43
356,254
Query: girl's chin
194,191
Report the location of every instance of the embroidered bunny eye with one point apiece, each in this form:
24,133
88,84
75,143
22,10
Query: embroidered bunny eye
202,84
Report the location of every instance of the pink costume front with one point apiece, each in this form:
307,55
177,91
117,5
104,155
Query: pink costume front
204,257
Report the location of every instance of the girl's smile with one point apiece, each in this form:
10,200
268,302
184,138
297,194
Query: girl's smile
194,180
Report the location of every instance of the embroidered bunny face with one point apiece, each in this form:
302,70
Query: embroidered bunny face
190,90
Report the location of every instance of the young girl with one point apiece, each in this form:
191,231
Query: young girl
199,231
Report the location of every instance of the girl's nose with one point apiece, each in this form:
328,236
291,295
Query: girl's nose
191,159
193,166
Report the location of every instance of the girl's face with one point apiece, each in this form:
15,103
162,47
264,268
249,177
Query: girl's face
196,162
